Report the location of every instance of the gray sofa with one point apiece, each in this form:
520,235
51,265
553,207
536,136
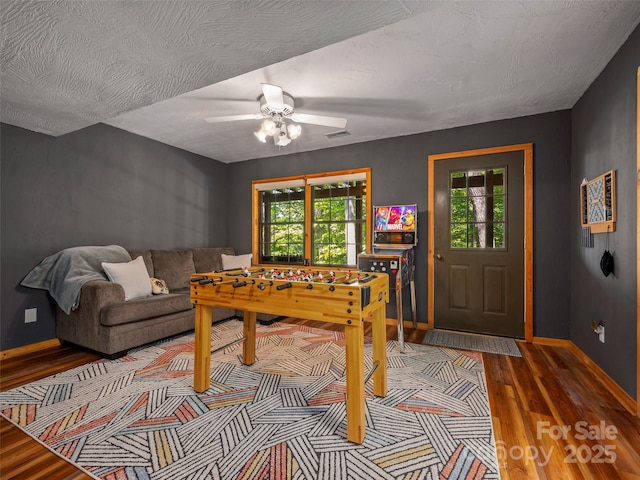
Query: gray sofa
106,323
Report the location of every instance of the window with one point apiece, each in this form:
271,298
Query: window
314,219
477,208
339,222
282,225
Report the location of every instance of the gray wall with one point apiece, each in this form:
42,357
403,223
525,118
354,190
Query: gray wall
604,138
96,186
399,175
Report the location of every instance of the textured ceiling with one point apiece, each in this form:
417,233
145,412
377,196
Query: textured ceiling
391,68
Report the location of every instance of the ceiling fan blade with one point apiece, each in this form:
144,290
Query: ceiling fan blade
406,109
336,122
234,118
273,95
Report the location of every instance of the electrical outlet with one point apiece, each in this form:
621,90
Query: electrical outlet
30,315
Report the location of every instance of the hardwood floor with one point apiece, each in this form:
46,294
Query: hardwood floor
20,456
553,419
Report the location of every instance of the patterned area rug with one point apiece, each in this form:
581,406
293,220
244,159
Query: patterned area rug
477,343
281,418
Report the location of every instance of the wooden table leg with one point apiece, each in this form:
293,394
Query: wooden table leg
249,330
354,338
379,332
202,355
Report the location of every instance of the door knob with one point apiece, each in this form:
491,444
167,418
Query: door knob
439,256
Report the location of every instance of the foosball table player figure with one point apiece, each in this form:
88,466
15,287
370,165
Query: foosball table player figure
338,296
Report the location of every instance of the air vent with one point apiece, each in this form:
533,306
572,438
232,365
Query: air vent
343,133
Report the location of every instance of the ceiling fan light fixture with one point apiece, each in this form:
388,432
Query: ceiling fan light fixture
282,141
280,138
294,131
269,126
261,135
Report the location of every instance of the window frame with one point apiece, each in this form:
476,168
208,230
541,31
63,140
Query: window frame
310,180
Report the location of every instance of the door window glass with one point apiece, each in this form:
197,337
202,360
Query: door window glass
477,200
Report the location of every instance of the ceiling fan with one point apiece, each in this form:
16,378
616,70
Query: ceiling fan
276,106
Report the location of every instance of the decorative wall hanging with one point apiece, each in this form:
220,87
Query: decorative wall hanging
598,203
587,237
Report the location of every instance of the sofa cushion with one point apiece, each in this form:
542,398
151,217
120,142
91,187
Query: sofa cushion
175,267
146,256
144,308
210,259
131,275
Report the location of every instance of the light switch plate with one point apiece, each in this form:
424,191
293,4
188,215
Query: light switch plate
30,315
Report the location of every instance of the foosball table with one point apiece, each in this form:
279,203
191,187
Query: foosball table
338,296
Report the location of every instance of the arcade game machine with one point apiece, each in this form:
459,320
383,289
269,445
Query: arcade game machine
395,235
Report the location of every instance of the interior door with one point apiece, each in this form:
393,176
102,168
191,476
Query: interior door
479,250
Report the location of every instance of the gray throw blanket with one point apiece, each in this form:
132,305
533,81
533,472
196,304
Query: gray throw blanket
64,273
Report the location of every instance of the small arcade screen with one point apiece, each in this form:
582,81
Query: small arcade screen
395,218
395,225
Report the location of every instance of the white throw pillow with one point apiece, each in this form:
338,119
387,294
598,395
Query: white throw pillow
230,262
133,277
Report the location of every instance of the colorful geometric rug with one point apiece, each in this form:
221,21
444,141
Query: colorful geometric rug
468,341
282,418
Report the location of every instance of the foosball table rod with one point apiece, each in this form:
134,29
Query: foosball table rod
376,364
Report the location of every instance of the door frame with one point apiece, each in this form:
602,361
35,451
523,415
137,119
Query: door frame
527,149
638,246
